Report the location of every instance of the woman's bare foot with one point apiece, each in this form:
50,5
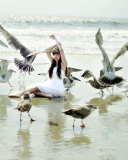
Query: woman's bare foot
15,95
49,95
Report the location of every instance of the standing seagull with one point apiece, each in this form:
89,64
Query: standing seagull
70,82
25,105
80,112
95,83
5,74
109,77
24,64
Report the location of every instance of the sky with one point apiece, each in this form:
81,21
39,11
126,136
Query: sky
86,8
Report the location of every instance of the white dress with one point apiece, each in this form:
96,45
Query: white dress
53,85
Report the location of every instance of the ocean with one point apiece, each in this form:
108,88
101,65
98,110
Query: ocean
77,34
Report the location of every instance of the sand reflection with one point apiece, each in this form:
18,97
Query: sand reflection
103,103
23,149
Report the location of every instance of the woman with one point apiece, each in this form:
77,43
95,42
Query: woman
54,85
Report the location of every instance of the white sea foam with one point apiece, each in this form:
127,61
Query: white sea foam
76,34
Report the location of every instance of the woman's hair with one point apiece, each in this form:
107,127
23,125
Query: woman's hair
53,64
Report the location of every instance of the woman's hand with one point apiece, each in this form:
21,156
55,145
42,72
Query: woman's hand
53,37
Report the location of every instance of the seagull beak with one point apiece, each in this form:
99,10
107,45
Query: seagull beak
14,71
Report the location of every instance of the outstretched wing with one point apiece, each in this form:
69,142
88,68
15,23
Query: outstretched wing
3,44
106,62
123,49
14,42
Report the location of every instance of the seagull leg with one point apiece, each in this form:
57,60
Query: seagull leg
9,84
20,116
102,91
82,126
30,118
73,123
126,95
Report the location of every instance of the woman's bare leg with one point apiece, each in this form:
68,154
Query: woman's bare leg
31,90
43,94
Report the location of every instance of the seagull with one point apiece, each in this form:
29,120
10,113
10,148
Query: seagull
109,77
24,64
80,112
5,74
95,83
25,105
69,82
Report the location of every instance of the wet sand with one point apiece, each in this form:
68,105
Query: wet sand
106,131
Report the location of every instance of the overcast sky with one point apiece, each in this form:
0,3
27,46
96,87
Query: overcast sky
89,8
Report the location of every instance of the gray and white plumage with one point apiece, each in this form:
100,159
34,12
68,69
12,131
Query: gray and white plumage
94,83
5,73
70,70
24,64
109,77
3,44
70,81
79,112
25,105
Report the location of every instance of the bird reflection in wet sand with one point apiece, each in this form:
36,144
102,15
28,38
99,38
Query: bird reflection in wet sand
79,112
25,105
102,104
22,148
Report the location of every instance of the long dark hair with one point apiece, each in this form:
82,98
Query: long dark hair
53,64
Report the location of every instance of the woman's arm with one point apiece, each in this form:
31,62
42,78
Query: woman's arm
63,58
47,51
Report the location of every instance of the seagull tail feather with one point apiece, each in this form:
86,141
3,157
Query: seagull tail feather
107,81
23,66
69,112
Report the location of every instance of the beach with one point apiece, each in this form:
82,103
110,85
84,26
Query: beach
106,131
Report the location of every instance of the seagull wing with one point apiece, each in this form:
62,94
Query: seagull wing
3,44
83,110
106,62
15,43
70,70
123,49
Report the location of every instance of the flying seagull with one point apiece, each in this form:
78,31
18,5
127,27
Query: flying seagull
109,77
79,112
5,74
25,105
24,64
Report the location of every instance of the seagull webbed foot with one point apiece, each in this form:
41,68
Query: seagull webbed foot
32,120
82,126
